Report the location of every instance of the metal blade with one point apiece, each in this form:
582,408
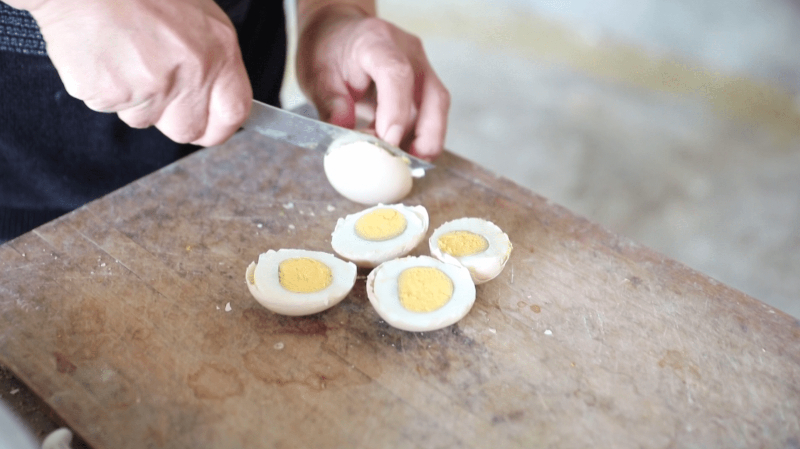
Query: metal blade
316,135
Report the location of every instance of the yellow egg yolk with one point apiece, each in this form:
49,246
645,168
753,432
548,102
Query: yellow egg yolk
462,243
381,224
424,289
304,275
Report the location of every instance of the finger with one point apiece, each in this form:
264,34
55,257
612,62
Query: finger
431,126
143,115
338,110
228,107
146,104
332,99
184,119
394,80
107,101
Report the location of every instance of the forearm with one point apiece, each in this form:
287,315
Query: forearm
28,5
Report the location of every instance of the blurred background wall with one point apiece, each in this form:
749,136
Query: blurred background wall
672,122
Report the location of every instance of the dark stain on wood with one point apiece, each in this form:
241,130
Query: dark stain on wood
215,381
280,368
677,361
63,365
513,416
267,323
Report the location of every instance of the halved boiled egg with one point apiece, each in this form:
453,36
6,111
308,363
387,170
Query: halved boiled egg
299,282
380,233
474,243
420,294
364,172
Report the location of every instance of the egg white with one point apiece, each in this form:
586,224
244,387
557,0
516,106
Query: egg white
363,172
264,284
367,253
382,291
483,266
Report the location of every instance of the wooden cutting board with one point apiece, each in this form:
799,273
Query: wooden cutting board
130,317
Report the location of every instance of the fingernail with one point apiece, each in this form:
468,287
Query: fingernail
393,135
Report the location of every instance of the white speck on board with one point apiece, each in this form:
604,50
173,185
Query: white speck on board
14,391
548,332
228,307
259,226
288,206
279,345
331,208
494,331
103,264
106,374
291,226
217,307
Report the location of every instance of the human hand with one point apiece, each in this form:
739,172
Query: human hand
342,51
174,64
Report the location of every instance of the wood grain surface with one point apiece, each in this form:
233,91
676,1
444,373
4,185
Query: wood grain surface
116,316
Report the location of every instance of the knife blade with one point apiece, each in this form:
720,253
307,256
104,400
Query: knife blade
313,134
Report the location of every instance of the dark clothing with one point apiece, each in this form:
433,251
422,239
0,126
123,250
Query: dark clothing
56,154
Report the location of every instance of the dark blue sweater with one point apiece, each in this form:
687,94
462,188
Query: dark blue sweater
56,154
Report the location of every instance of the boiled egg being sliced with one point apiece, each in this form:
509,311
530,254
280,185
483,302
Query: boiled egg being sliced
474,243
380,233
420,294
299,282
364,172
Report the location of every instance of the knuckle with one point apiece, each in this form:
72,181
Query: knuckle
402,70
416,43
444,97
233,112
378,26
395,65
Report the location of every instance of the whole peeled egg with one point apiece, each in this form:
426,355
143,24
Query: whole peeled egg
364,172
299,282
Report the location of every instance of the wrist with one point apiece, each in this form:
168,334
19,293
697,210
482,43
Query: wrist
311,12
48,11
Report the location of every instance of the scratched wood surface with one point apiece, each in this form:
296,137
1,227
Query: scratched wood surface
131,319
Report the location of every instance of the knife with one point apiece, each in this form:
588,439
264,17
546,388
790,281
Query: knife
313,134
